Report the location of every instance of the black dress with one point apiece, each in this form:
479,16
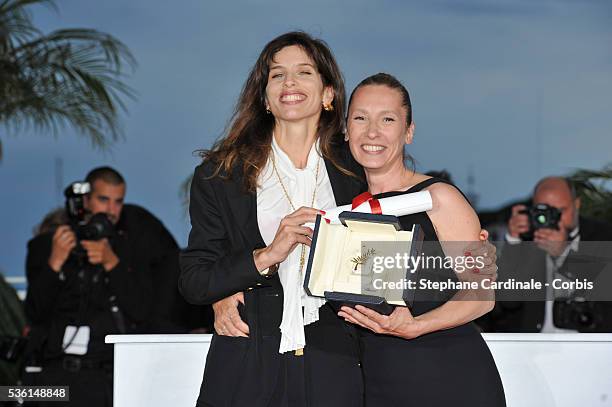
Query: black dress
451,367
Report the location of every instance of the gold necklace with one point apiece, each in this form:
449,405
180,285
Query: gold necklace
314,192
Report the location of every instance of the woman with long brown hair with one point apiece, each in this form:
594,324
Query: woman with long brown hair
282,157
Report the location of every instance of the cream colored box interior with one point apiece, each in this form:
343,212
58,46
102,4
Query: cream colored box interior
335,263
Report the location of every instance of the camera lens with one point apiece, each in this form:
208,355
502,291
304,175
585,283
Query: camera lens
585,319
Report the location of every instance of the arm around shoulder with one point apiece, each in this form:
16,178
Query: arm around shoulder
455,221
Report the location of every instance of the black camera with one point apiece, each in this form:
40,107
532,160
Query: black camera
95,227
541,216
577,314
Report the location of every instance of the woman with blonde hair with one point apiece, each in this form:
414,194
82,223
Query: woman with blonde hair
430,354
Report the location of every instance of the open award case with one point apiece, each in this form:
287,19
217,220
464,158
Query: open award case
344,265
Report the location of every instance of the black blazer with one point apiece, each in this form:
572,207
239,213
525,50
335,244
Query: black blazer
218,262
146,250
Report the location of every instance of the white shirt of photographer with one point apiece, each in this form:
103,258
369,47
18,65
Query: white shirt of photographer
76,340
552,265
299,309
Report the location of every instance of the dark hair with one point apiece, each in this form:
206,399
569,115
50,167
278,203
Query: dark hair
106,174
249,137
391,82
443,174
51,221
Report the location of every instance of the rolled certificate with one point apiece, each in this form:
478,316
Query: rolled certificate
399,205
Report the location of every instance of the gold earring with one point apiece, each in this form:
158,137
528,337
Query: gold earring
268,110
328,107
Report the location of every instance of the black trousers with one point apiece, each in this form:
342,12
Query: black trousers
250,372
302,384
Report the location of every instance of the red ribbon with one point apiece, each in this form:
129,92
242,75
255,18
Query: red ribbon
367,197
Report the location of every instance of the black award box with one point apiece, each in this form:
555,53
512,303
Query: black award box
345,265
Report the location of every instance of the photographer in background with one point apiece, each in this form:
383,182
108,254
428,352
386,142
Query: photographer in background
550,240
90,278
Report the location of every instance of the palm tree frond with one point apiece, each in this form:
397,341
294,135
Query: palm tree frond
70,77
592,186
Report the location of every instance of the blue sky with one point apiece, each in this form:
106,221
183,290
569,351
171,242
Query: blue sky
510,90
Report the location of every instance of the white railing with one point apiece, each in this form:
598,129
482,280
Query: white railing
537,370
16,282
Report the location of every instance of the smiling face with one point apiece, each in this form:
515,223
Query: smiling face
377,128
295,90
